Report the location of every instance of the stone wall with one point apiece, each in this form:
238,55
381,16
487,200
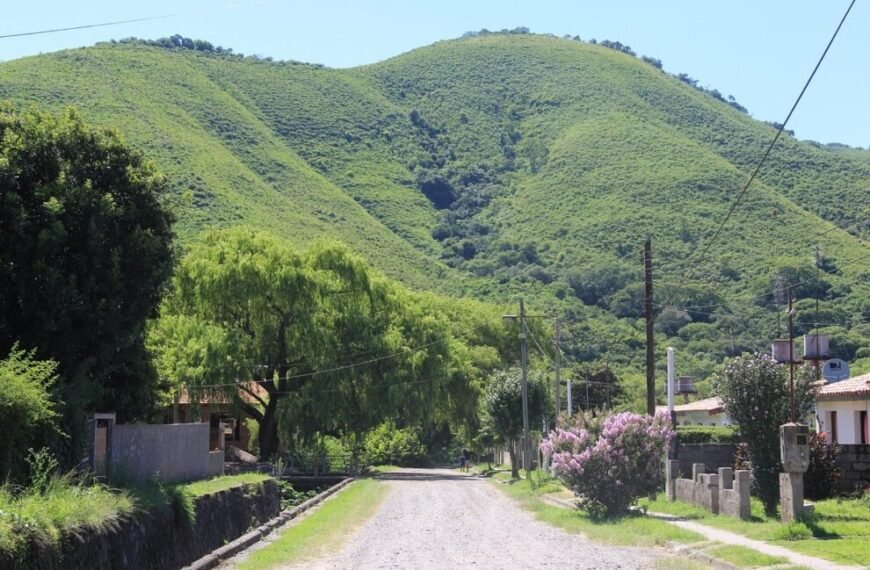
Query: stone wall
854,460
159,539
174,452
712,455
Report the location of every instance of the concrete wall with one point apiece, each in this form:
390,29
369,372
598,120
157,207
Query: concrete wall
847,418
719,492
174,452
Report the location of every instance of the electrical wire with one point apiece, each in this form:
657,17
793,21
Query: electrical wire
133,20
779,131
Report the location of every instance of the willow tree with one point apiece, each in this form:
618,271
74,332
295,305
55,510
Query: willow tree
333,344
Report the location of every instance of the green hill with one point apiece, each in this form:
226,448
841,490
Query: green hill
500,165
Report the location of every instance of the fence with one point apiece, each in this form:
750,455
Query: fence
724,492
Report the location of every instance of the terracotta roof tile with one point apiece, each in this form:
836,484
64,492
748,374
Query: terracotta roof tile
850,388
711,405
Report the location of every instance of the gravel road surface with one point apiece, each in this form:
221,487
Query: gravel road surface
440,519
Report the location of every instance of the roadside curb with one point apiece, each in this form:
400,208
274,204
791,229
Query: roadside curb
246,541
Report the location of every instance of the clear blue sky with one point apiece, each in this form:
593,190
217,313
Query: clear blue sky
760,51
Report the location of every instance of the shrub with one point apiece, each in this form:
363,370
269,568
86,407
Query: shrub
707,434
27,408
755,391
387,444
823,471
611,471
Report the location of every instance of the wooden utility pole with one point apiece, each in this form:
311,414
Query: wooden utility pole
558,364
525,365
791,355
650,340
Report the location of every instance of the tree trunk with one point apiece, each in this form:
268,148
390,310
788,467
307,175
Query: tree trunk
268,436
515,466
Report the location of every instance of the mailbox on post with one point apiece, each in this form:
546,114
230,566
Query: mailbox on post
794,447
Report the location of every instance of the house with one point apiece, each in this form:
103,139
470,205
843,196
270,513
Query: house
706,412
213,408
842,408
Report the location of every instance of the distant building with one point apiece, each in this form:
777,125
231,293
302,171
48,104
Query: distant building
706,412
842,409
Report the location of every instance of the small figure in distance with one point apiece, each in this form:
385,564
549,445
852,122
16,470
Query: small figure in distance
465,460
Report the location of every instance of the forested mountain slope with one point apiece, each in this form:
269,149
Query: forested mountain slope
499,165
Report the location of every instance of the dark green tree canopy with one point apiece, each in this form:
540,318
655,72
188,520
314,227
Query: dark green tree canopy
85,250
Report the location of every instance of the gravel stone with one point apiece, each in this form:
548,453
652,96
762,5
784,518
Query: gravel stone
433,519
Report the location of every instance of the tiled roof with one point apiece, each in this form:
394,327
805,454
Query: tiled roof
709,405
851,388
219,398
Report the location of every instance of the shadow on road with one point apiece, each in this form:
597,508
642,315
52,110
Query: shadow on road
423,476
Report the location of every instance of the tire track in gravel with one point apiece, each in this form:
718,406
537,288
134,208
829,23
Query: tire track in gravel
434,519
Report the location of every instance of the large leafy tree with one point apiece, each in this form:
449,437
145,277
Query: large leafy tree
758,399
335,347
503,407
85,250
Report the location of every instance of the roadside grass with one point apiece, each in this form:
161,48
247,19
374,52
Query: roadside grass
744,557
69,505
218,484
65,505
324,529
632,530
838,531
679,563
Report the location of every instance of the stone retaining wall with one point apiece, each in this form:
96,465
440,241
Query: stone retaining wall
712,455
854,461
159,539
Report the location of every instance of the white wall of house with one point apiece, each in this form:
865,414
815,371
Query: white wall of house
848,414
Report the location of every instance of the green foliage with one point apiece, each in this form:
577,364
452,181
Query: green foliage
85,250
550,161
389,445
599,389
27,405
707,434
503,406
756,394
794,531
290,497
823,471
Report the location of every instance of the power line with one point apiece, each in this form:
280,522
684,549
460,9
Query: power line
776,137
132,20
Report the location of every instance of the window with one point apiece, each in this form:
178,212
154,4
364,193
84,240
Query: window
833,423
863,435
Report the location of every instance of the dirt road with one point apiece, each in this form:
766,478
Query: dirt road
433,519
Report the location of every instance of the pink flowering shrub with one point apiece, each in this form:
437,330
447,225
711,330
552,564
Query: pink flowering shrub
611,471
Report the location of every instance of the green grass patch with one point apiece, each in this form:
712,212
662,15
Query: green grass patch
218,484
324,529
744,557
838,531
633,530
64,505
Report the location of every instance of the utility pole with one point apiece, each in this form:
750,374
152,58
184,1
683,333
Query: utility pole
791,352
650,340
558,363
570,401
525,365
